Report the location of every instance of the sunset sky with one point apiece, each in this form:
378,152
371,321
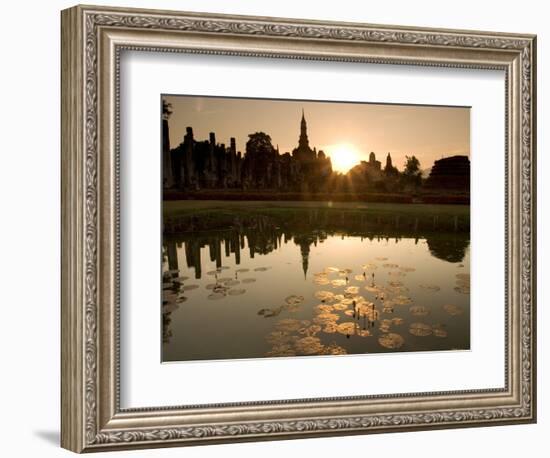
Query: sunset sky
347,132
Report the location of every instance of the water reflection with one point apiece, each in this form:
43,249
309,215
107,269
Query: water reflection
312,283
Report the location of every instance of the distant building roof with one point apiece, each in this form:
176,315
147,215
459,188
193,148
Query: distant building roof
450,173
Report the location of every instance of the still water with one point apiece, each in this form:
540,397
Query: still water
270,290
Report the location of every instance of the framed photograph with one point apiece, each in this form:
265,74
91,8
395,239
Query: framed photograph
278,228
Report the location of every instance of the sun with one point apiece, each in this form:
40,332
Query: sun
343,157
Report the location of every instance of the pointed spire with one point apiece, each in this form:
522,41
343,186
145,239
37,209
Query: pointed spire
389,164
304,249
303,142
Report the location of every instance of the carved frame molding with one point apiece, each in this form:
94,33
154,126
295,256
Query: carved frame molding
92,40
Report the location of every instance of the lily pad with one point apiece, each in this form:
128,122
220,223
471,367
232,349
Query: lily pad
281,350
373,315
269,313
326,317
463,289
391,340
189,287
463,283
236,292
402,300
216,296
419,310
322,308
294,300
261,269
334,349
326,296
248,280
220,289
330,328
364,308
310,330
431,288
288,325
453,310
352,289
384,326
420,329
347,328
308,346
439,330
369,266
340,306
278,338
374,289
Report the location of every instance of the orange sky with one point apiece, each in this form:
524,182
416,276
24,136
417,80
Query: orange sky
428,132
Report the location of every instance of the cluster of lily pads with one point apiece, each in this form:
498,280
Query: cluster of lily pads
356,310
176,287
462,283
232,286
293,337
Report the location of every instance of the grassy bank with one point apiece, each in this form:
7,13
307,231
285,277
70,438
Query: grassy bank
359,197
180,207
186,215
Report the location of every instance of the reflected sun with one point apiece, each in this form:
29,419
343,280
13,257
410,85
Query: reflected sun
343,157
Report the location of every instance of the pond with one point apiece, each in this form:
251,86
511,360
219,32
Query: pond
306,282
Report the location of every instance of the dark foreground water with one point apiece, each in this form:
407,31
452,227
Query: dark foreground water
270,286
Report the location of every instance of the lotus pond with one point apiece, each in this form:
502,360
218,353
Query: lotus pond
313,282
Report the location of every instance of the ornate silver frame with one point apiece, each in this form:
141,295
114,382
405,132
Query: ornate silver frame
92,39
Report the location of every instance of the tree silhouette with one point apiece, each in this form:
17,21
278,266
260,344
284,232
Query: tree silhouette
412,174
259,155
166,110
259,144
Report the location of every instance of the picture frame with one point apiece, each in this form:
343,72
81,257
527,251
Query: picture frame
93,39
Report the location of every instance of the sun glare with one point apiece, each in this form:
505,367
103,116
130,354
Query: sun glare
343,157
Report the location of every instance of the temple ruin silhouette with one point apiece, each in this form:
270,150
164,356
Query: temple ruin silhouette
196,165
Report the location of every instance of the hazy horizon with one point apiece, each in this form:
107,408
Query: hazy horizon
338,128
